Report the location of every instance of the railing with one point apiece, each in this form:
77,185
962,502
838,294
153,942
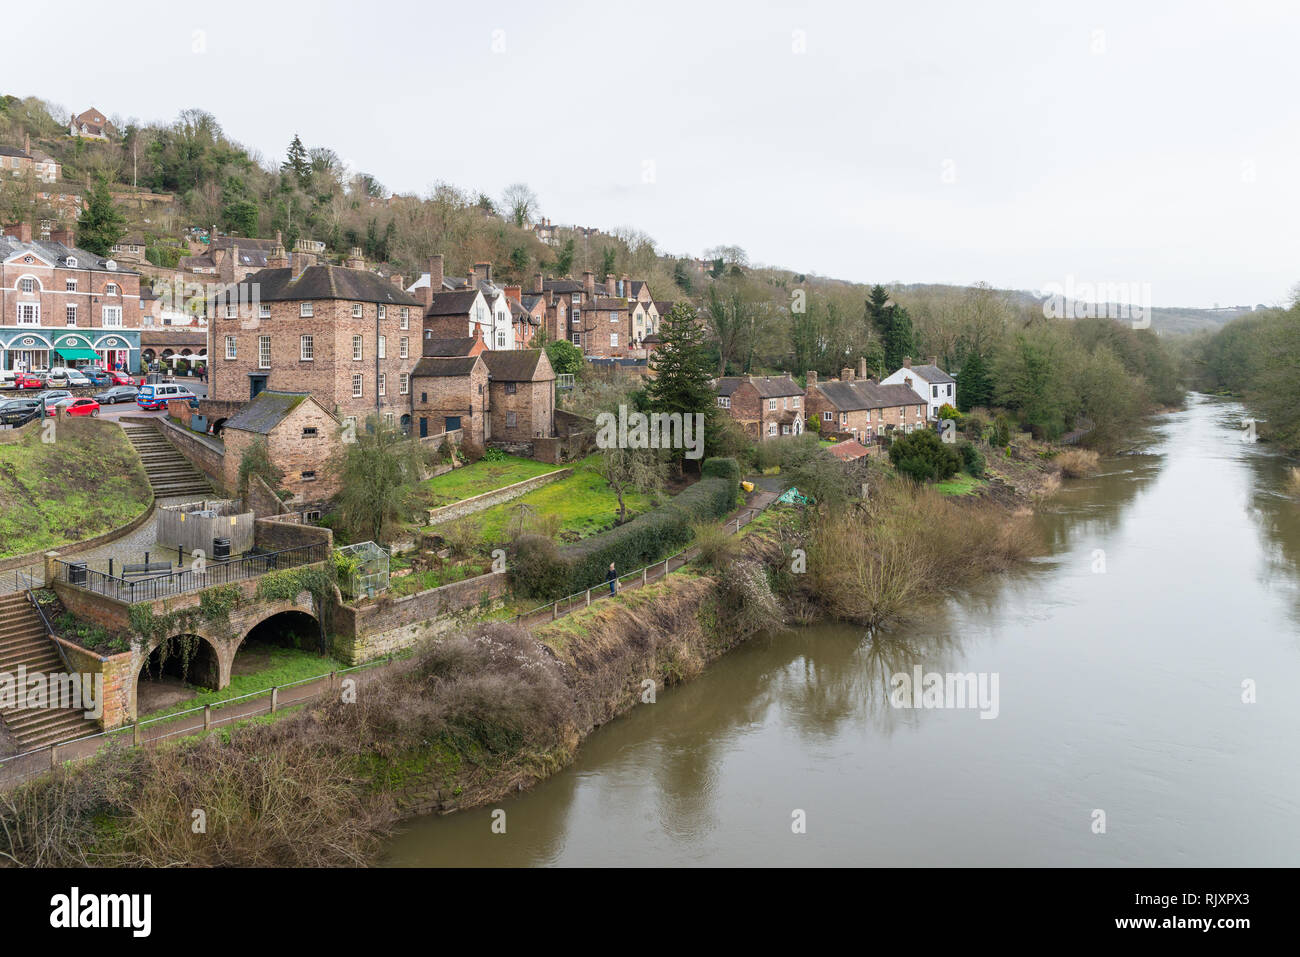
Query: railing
201,575
22,579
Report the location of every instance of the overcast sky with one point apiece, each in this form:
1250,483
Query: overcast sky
1015,143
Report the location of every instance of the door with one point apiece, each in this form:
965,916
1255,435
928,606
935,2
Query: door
257,384
451,423
424,427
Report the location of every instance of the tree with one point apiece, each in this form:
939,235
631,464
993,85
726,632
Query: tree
682,370
730,314
521,202
298,163
102,224
630,470
877,309
974,384
240,217
607,261
924,457
565,357
375,476
564,259
898,337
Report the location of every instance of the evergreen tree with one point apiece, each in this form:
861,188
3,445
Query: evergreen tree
298,163
682,370
877,309
898,336
102,224
564,259
974,384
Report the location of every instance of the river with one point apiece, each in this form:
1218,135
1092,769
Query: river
1170,580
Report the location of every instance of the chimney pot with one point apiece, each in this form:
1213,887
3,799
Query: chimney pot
846,374
934,360
537,284
907,362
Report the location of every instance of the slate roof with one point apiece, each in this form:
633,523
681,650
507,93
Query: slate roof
634,287
514,365
265,412
892,395
931,374
323,282
863,394
58,254
606,304
445,348
444,366
12,151
530,301
663,306
562,285
452,303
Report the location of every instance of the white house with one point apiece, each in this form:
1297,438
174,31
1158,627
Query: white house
929,382
490,311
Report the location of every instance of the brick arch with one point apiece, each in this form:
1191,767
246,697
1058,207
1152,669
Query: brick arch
143,659
281,608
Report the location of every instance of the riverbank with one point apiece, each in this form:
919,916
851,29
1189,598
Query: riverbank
496,709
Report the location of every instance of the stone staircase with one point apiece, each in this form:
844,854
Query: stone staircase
23,641
170,473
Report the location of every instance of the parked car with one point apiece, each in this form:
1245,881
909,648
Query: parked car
97,377
157,396
57,376
51,396
72,406
28,380
19,411
121,378
78,378
119,393
7,377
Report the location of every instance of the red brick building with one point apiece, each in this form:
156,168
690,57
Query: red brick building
862,407
766,406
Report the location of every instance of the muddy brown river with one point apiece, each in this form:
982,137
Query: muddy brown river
1121,736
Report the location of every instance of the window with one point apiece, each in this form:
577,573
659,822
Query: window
309,475
613,340
771,428
511,388
70,285
312,516
404,347
72,264
72,315
356,310
110,289
232,310
577,339
844,418
512,419
356,348
383,312
230,347
404,383
305,310
794,401
27,284
577,316
501,340
264,312
828,416
613,317
934,392
950,388
111,316
383,350
264,352
771,405
388,419
306,350
724,401
869,415
406,317
383,383
309,432
356,389
576,298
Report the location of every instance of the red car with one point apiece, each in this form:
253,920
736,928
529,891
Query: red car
25,380
81,407
121,378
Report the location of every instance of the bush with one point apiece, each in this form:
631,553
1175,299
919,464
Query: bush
814,424
168,257
1001,432
972,460
723,468
717,545
1076,463
924,457
949,411
974,426
536,569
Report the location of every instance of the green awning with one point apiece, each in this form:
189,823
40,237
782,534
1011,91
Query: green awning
76,353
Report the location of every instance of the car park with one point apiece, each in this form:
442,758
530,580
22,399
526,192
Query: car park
157,396
78,407
97,377
121,378
118,393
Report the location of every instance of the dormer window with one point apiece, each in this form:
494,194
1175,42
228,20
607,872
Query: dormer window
72,262
110,289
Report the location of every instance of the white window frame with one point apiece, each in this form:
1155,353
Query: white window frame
794,401
771,405
70,314
383,383
406,317
110,317
306,349
358,386
357,348
263,311
383,311
357,310
27,285
613,340
724,401
306,310
231,348
404,348
264,352
404,383
70,285
383,347
111,289
232,310
828,416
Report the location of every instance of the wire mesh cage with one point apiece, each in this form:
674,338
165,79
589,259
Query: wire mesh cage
362,569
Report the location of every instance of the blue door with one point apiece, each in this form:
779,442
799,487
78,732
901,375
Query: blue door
424,426
452,423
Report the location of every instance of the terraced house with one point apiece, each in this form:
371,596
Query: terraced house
60,305
767,407
347,336
861,407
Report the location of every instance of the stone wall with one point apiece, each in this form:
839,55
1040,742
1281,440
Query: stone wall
477,503
119,681
205,453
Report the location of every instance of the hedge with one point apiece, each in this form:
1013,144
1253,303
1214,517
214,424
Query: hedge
646,539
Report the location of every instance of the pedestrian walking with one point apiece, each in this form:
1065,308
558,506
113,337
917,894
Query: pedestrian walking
612,577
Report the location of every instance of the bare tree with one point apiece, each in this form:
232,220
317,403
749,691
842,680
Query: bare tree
631,470
521,202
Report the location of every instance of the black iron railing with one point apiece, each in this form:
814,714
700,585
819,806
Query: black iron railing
148,587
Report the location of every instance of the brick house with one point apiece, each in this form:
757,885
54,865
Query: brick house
346,335
862,407
19,161
301,438
765,406
90,125
928,381
451,392
449,300
61,305
521,392
232,258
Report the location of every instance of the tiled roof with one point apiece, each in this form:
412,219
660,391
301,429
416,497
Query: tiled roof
562,285
864,394
443,366
12,151
848,451
452,303
265,412
931,374
606,303
516,365
443,348
58,254
323,282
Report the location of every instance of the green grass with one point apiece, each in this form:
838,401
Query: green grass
960,484
287,665
85,482
585,503
482,476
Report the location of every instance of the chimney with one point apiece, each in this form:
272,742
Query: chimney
302,257
63,236
515,294
27,143
435,273
537,284
846,374
862,367
934,360
397,280
355,260
907,362
277,258
610,286
812,378
589,282
483,271
625,287
20,231
470,277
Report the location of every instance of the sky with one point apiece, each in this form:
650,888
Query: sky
1146,145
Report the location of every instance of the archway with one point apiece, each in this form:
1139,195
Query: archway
278,641
174,671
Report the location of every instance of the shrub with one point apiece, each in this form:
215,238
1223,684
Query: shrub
974,425
924,457
494,455
1001,432
949,411
1076,463
717,545
972,460
723,468
814,424
535,568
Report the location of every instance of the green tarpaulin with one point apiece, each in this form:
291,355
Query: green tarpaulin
76,353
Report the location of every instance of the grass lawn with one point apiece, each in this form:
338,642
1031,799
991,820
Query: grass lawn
960,484
585,503
482,476
82,481
281,666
